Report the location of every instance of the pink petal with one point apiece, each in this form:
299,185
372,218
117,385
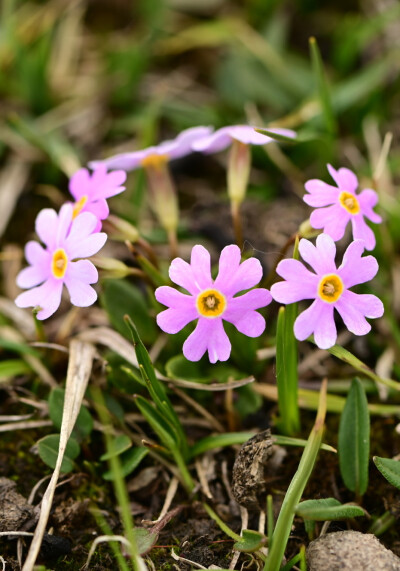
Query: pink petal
33,275
183,144
77,279
46,227
344,178
124,161
172,298
361,231
196,344
229,262
353,308
104,185
82,270
317,319
368,199
291,292
173,320
47,296
320,257
355,269
247,276
64,224
254,299
294,271
36,254
99,208
250,323
79,183
180,272
213,143
200,262
333,219
321,194
80,243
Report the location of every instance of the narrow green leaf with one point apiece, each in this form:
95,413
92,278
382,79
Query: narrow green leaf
250,541
286,367
323,88
347,357
48,452
158,423
12,368
390,469
327,509
118,445
129,460
277,136
353,441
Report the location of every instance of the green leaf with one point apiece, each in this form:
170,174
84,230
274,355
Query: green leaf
120,297
250,541
84,423
286,367
347,357
13,368
277,136
48,452
180,368
145,539
390,469
323,88
327,509
130,460
119,444
353,441
158,423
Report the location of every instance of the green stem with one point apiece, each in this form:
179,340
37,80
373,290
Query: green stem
296,488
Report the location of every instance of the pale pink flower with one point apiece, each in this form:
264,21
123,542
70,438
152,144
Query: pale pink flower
91,190
212,301
342,204
223,138
65,239
329,287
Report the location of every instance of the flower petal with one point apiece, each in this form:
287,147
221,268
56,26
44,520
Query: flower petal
254,299
63,224
361,231
294,271
250,323
344,178
246,276
320,257
46,227
355,269
368,198
47,296
104,185
333,219
99,208
353,308
35,254
213,143
33,275
80,242
196,344
79,183
172,298
321,193
200,262
77,279
82,270
317,319
181,273
173,320
291,292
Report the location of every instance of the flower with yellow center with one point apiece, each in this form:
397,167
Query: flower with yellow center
349,202
79,204
330,288
59,263
211,303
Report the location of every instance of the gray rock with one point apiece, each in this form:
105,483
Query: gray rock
350,551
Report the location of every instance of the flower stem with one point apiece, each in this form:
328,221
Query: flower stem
237,223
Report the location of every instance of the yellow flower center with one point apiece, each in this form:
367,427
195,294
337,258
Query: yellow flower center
349,202
59,263
154,161
211,303
330,288
78,206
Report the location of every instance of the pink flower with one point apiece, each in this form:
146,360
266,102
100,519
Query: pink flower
164,152
343,204
329,288
66,239
223,138
91,190
210,301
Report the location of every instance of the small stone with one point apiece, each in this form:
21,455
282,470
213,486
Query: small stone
16,513
350,551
